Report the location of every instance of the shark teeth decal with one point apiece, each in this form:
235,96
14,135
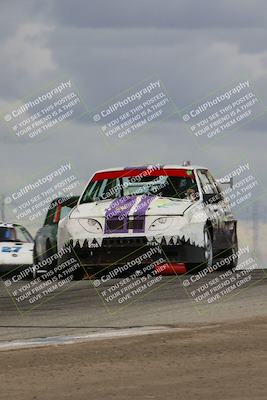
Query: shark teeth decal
188,234
81,242
166,240
90,243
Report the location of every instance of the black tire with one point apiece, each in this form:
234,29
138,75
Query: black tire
208,247
79,273
35,257
208,253
49,252
230,253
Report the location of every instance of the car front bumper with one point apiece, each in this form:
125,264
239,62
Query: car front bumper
115,251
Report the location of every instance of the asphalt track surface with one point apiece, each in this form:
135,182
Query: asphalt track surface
79,309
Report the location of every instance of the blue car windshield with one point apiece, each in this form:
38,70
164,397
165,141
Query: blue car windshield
15,234
7,234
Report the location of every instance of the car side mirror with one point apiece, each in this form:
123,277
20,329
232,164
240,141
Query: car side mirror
229,182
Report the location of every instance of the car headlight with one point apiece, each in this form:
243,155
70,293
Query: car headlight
159,224
90,225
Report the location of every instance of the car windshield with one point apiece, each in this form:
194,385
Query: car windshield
7,234
14,234
175,184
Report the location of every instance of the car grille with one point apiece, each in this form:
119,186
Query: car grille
117,225
124,242
137,224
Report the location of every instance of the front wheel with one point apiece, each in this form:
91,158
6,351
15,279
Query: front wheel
230,255
70,262
208,253
208,247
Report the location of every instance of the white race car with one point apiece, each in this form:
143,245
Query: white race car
123,211
16,248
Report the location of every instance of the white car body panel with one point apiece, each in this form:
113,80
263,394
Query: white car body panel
183,220
17,250
16,254
179,214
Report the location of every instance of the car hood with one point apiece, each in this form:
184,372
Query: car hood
131,206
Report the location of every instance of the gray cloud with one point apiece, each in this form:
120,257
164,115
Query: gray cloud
107,47
155,13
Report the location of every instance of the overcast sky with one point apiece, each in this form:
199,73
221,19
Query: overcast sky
107,46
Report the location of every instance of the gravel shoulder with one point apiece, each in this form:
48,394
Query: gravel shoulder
226,360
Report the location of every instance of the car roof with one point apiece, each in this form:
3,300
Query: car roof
8,225
65,200
154,166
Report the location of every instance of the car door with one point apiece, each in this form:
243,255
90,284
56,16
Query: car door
46,235
212,199
227,219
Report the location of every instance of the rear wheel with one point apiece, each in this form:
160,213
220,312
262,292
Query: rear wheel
35,262
44,261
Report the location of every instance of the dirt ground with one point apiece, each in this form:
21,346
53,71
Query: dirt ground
228,361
